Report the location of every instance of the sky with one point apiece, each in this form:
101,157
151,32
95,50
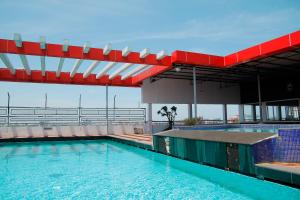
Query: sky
215,27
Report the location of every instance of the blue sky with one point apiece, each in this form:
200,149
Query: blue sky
217,27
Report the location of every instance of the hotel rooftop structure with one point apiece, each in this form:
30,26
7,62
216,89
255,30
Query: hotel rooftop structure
264,75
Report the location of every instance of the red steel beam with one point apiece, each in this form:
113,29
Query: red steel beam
200,59
275,46
50,77
272,47
56,50
278,45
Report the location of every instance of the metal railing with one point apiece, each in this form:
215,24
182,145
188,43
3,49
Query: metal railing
66,116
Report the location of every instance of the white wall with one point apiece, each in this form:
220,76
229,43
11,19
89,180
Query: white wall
181,92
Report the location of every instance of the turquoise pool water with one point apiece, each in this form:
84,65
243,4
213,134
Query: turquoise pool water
108,170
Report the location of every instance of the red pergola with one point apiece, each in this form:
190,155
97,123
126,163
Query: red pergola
149,65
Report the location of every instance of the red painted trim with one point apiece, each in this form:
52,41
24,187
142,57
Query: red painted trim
185,57
56,50
50,77
272,47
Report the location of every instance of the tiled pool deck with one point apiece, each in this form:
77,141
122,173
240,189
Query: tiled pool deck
283,172
138,140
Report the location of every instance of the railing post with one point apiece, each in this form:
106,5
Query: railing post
150,117
106,107
8,107
79,109
45,111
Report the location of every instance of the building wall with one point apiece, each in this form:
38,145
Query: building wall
181,92
205,152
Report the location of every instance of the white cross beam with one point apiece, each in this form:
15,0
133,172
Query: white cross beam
144,53
105,69
65,48
121,69
25,64
90,69
107,49
7,63
75,67
59,68
43,62
134,71
125,51
86,47
161,55
19,44
18,40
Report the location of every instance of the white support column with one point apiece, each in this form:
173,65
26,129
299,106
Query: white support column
190,111
264,111
241,113
225,113
195,92
149,113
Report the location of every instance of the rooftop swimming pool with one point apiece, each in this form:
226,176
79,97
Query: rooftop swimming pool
255,128
104,169
249,130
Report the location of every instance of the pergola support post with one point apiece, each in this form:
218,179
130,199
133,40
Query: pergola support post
225,113
190,111
253,108
299,109
241,113
149,115
279,114
195,92
263,111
